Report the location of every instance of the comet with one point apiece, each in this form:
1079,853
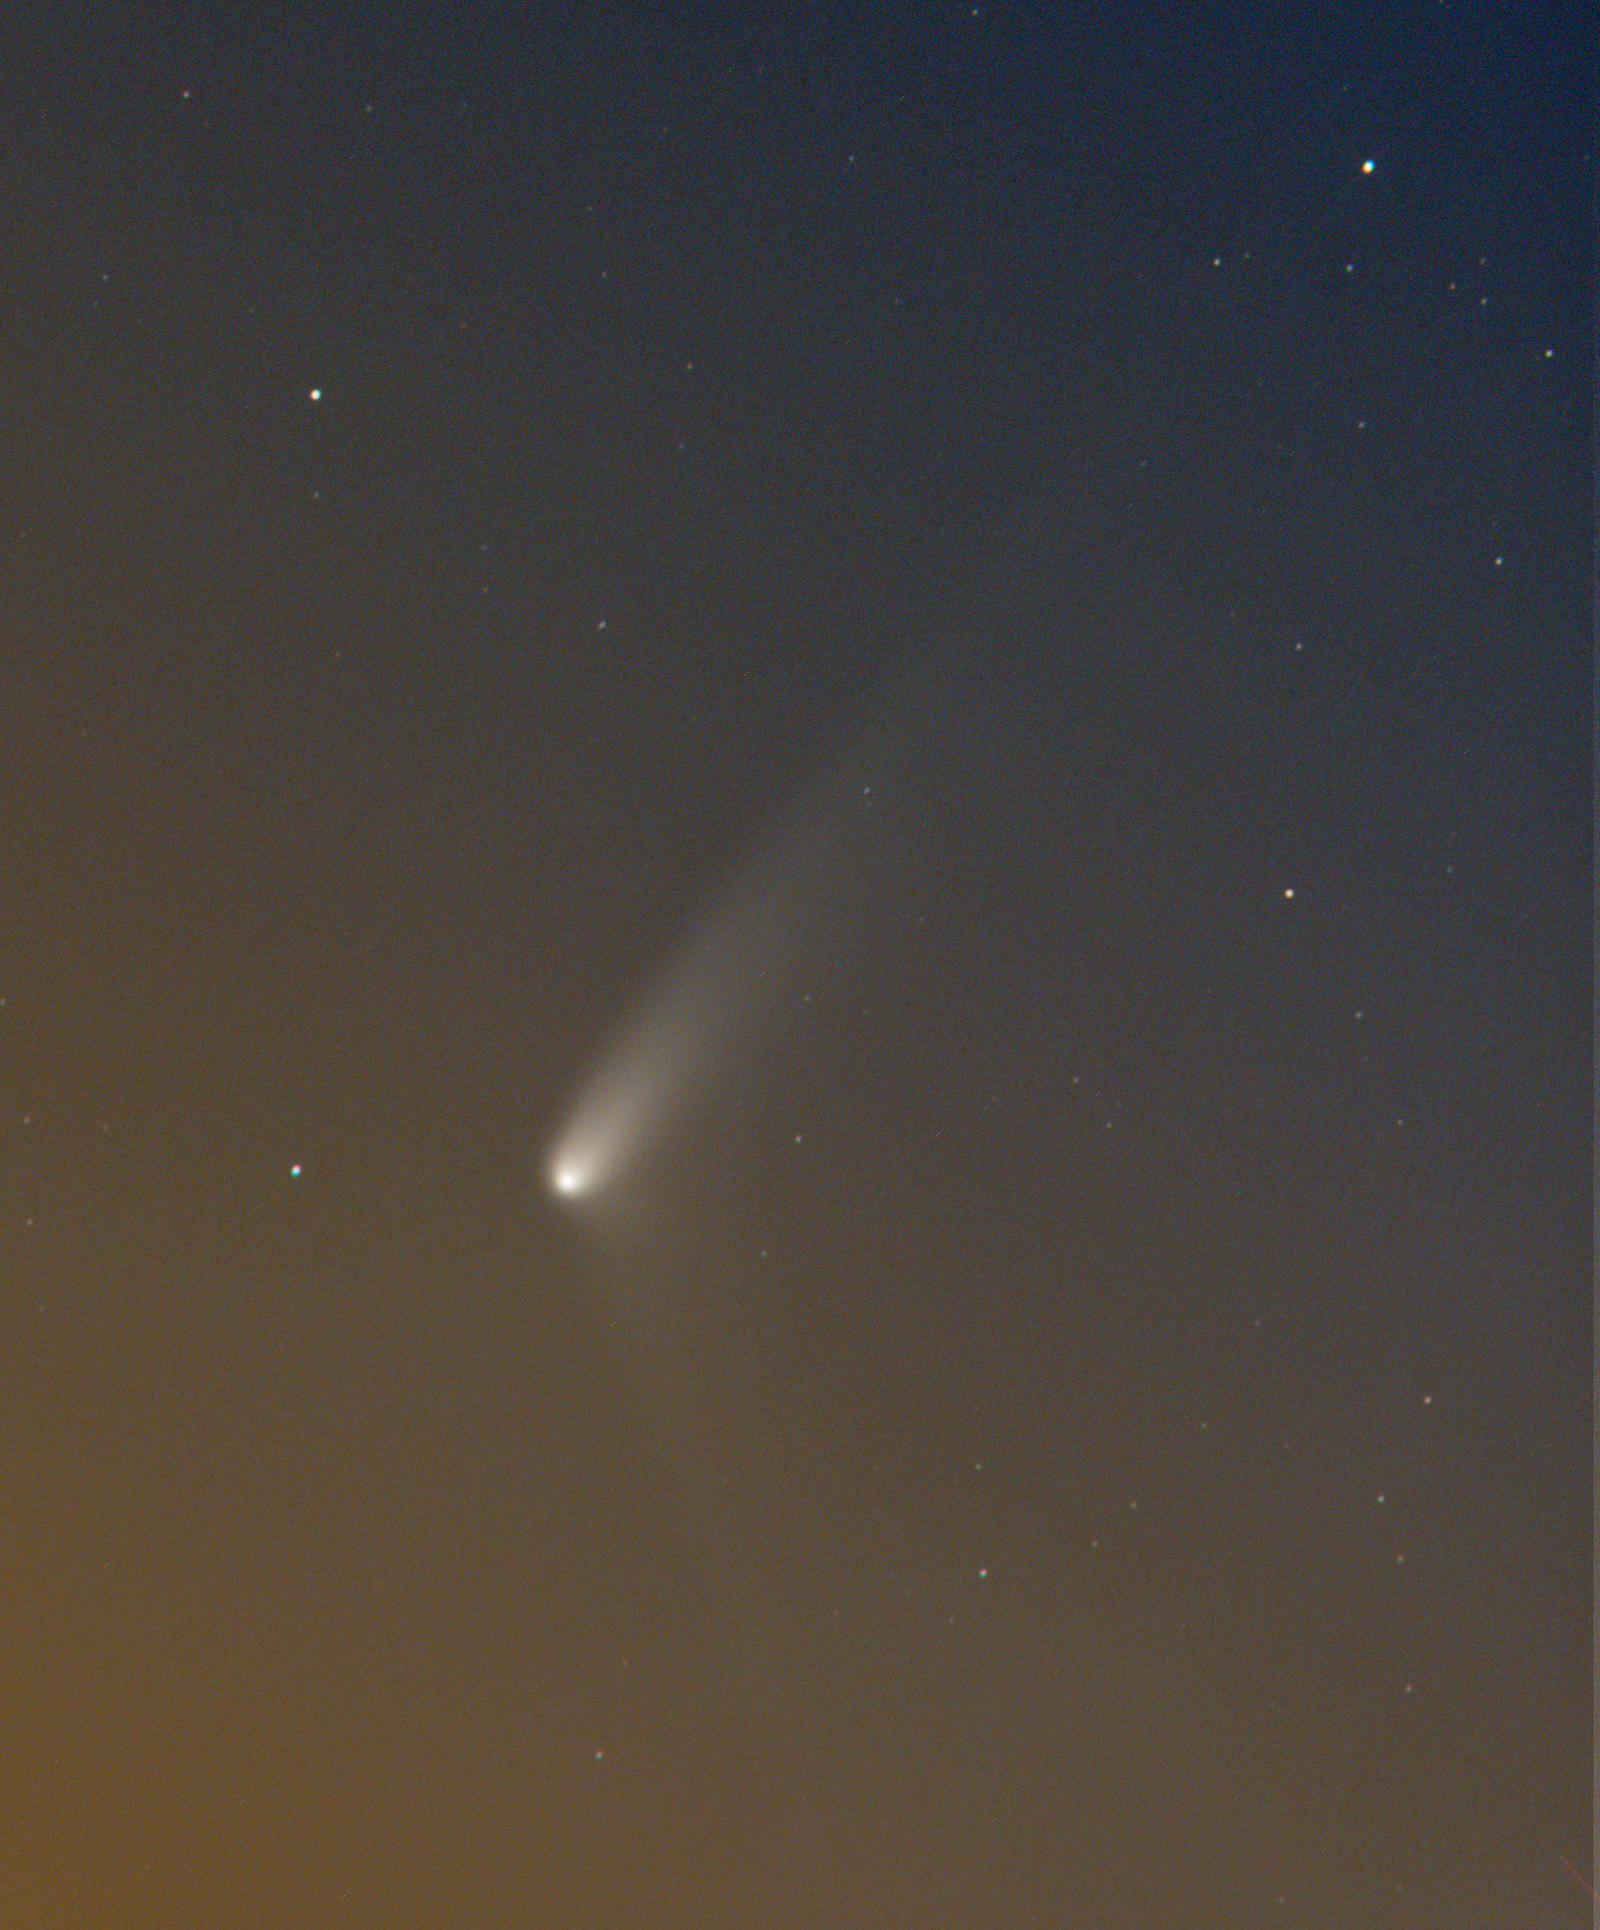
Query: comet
732,979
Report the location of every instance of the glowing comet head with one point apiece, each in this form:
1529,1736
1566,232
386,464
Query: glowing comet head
650,1077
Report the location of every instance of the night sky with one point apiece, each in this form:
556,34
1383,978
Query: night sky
795,936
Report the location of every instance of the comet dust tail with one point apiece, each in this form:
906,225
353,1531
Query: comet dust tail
735,977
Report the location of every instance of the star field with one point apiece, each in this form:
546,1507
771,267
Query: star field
796,971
